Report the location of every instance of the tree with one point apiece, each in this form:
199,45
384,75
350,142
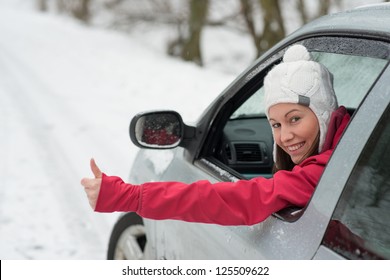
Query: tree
80,10
61,6
273,28
191,49
42,5
323,9
77,8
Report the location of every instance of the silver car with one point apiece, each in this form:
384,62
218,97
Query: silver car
347,216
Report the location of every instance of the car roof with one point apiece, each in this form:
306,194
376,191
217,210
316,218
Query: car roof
370,21
367,19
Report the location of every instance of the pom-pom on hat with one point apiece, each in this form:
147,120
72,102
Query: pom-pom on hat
300,80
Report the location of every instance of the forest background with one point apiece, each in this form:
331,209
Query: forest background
265,21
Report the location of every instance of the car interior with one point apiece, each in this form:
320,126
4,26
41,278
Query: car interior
246,143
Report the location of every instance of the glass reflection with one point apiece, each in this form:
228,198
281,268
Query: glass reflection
162,129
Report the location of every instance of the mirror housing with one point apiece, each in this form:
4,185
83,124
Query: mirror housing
159,130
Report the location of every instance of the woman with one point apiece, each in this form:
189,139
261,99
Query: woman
306,124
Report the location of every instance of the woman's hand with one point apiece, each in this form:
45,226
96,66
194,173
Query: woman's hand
92,186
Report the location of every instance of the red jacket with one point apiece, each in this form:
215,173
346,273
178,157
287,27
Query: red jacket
244,202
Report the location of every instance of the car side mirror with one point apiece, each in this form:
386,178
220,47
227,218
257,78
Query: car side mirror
157,130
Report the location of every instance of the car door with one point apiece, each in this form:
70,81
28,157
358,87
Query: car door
236,130
360,224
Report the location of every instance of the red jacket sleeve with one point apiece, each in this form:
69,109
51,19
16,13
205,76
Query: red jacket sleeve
244,202
116,195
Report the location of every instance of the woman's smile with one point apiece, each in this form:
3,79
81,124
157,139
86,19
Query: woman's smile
294,148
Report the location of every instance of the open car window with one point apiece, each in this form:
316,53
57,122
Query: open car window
353,77
246,143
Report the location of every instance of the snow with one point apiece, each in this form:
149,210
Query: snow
67,93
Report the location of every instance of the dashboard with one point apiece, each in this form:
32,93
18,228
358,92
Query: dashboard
246,147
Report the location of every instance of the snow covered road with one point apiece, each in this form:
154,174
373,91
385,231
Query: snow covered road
43,212
67,93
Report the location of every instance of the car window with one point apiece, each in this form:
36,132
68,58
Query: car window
253,107
247,142
353,76
360,226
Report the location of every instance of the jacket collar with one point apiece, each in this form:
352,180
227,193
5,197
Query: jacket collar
337,124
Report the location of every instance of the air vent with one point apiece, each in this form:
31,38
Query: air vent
248,152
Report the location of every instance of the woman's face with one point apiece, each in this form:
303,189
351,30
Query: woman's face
295,128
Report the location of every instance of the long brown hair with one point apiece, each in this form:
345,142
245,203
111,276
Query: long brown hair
283,160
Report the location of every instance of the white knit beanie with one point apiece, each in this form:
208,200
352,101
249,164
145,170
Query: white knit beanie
300,80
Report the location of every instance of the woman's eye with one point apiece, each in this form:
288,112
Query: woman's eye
295,119
275,125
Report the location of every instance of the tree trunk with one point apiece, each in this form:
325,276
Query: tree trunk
191,49
81,10
273,25
61,7
247,12
42,5
323,9
302,11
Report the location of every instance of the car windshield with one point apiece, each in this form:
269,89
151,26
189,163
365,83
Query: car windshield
253,107
353,77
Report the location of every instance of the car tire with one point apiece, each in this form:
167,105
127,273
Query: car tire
128,239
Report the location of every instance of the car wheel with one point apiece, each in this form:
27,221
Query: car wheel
128,239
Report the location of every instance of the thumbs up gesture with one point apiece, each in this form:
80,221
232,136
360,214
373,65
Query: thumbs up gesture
92,185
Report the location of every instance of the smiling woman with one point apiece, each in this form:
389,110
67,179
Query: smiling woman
300,103
302,92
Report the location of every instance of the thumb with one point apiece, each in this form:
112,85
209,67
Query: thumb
95,169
